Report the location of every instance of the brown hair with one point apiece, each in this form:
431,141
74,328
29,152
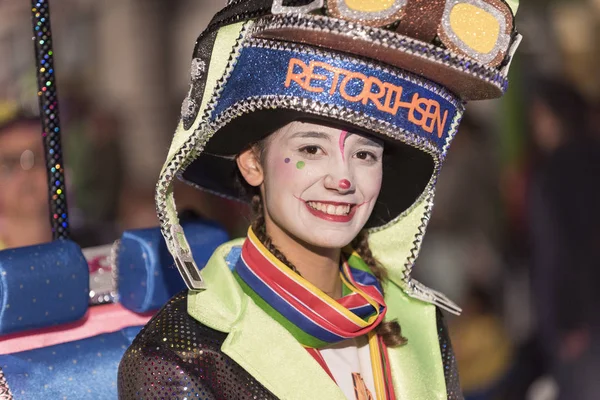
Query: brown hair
389,331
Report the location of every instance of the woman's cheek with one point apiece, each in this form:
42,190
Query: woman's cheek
283,174
370,180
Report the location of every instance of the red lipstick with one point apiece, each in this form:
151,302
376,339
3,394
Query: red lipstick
330,217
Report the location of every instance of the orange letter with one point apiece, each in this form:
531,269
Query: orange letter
336,74
348,78
398,100
416,103
292,76
440,122
370,95
311,75
397,91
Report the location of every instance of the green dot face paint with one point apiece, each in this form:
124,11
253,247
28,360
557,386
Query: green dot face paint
303,165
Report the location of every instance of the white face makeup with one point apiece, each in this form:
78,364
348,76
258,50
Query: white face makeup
321,183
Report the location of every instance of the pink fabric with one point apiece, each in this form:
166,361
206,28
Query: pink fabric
99,319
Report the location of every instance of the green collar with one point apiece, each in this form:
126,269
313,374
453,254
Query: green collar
273,356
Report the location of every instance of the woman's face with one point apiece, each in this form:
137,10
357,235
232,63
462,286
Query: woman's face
320,184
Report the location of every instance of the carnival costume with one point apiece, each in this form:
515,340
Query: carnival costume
251,328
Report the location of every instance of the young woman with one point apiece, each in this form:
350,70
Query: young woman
334,121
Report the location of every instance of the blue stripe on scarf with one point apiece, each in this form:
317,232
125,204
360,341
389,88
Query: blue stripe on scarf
283,307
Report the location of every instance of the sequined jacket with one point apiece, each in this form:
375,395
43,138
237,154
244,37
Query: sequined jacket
218,345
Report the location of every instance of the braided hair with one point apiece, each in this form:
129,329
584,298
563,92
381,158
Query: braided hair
389,331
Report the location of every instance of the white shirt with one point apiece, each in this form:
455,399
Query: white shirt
348,357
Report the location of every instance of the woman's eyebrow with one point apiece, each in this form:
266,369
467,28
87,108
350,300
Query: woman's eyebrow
365,141
311,134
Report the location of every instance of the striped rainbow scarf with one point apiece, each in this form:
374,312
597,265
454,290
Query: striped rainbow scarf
315,319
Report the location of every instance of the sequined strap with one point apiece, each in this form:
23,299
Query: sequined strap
453,389
5,393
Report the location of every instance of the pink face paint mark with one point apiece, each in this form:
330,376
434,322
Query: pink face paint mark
342,141
344,184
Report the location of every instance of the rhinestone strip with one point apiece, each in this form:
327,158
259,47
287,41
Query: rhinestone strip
189,107
5,393
389,39
114,272
48,101
279,8
197,69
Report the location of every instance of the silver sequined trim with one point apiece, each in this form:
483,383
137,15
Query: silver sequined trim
5,393
188,107
197,69
503,38
113,259
279,8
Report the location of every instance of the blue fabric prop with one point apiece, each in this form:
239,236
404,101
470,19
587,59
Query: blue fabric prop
81,370
147,274
42,285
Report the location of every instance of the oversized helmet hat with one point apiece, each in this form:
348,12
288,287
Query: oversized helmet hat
401,70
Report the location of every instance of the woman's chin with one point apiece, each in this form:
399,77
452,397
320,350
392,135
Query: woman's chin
330,235
329,239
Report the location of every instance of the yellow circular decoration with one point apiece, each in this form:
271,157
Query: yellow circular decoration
476,27
369,5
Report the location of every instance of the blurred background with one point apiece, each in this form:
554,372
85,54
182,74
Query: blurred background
515,234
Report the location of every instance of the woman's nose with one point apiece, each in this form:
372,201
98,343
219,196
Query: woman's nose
342,184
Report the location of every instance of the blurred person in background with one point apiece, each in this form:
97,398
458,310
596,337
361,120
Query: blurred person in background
23,180
564,227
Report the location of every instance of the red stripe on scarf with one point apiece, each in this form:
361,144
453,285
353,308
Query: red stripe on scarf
301,297
370,290
387,372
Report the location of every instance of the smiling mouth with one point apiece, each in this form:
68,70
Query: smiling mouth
331,210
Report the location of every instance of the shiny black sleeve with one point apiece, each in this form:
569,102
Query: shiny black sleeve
450,367
157,366
175,357
158,374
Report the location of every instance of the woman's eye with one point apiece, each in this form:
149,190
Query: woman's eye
366,155
312,150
